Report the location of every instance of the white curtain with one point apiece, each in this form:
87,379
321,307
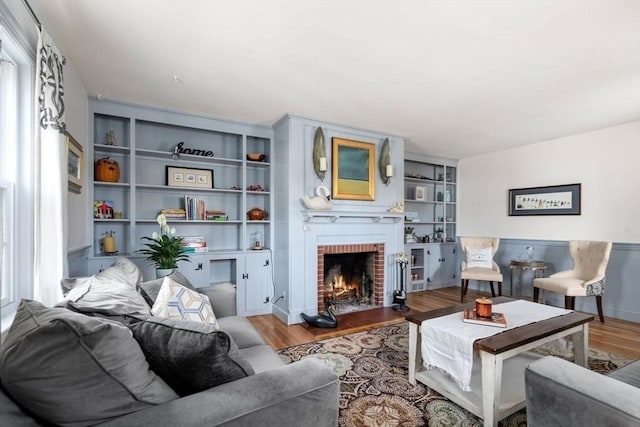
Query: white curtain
51,174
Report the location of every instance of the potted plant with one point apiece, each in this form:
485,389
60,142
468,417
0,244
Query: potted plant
164,250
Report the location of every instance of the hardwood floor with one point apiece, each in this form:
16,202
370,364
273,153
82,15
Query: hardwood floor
615,336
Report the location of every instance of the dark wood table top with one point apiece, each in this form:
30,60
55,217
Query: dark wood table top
510,338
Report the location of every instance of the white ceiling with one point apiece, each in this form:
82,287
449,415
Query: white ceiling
455,78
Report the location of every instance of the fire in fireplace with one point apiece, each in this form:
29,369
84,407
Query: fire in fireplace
348,281
350,277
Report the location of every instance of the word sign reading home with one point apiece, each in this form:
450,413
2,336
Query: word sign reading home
194,151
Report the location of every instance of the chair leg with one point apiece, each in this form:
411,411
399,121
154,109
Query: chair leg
599,305
493,293
499,289
569,302
462,290
536,294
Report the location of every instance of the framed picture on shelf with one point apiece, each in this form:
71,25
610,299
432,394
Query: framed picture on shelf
352,169
75,164
189,177
421,193
550,200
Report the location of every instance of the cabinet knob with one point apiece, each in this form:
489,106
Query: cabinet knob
245,275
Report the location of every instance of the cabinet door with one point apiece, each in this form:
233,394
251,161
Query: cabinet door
254,290
196,271
442,264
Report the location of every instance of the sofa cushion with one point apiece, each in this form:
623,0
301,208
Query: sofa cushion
110,292
178,302
261,357
629,374
72,369
149,289
189,356
241,330
222,297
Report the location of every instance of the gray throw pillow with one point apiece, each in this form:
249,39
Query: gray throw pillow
150,289
189,356
111,292
75,370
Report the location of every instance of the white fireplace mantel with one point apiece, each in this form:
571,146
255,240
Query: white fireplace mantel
334,216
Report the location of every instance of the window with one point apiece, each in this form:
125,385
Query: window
16,168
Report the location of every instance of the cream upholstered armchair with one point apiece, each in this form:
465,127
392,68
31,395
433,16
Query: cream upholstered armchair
479,264
590,261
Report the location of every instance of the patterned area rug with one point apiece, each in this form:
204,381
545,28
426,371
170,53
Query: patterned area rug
374,386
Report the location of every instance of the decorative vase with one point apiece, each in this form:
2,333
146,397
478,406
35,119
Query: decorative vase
256,214
161,272
530,253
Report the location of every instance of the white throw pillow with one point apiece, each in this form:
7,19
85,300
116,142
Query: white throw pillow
479,257
175,301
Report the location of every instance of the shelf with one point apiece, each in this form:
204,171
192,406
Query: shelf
187,190
103,148
167,155
113,220
191,221
334,216
251,163
111,184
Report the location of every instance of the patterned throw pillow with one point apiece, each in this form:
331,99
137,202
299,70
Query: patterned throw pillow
175,301
150,289
479,257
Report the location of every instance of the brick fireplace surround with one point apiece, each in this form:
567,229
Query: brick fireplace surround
378,280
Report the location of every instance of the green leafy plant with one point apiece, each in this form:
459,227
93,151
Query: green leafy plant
164,250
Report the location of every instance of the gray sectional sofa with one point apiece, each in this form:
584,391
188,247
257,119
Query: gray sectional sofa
561,393
304,393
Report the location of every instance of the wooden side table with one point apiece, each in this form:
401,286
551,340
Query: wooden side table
535,266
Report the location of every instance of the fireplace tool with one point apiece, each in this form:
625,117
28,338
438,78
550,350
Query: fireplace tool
399,295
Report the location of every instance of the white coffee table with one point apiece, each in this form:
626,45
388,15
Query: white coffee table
504,355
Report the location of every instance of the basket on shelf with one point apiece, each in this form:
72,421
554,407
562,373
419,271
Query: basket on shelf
107,170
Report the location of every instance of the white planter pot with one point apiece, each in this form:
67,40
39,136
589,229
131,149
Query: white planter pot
161,272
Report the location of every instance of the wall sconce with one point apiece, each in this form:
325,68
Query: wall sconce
319,154
386,169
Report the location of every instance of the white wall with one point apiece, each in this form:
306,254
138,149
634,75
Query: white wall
77,119
606,162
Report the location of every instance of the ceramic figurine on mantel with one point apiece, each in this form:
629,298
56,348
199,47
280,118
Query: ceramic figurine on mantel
321,201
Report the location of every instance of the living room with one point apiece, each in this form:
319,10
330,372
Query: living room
545,102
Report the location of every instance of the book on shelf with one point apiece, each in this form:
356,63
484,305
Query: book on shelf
193,242
194,207
497,319
174,213
194,250
216,215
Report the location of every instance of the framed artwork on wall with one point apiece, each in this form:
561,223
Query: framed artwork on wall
421,193
550,200
189,177
75,164
352,169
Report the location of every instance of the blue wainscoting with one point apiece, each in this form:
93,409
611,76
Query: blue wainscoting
622,293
